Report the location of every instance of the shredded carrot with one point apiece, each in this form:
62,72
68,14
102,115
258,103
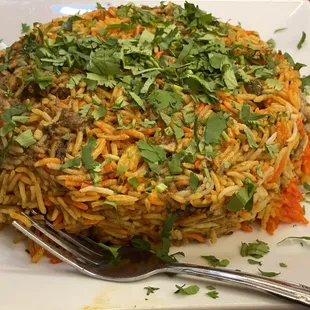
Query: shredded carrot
187,130
306,160
280,169
148,132
265,166
159,54
31,248
58,220
154,200
288,210
48,203
55,260
197,163
246,227
282,131
73,183
228,41
199,108
79,205
300,126
194,236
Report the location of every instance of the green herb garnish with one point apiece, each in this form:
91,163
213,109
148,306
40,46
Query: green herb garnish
190,290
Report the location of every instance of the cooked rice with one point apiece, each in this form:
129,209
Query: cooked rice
104,203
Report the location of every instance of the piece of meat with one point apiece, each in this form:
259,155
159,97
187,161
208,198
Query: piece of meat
61,151
72,121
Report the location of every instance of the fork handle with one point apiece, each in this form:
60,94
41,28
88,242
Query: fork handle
297,292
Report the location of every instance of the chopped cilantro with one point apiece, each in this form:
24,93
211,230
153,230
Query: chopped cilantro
210,287
213,294
137,100
269,274
215,125
87,149
99,112
121,170
272,149
42,80
271,43
25,28
250,138
302,40
272,83
248,117
259,170
243,199
113,249
255,249
279,30
307,187
193,181
164,250
67,136
162,99
215,262
151,290
133,182
190,290
84,109
283,265
71,163
254,262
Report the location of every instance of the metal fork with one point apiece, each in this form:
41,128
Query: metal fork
134,264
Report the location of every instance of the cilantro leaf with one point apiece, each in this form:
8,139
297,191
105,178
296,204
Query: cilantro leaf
272,83
137,100
151,153
193,181
302,40
283,265
25,28
71,163
162,99
271,43
84,109
259,170
272,149
213,294
190,290
104,62
151,290
42,80
68,23
87,150
215,125
254,262
113,249
174,164
279,30
75,80
255,249
269,274
133,182
215,262
105,80
243,199
8,127
164,250
26,139
99,112
210,287
140,244
307,187
250,138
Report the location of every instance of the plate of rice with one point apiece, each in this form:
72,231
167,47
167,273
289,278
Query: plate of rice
118,119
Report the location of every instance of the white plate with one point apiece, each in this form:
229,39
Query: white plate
44,286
